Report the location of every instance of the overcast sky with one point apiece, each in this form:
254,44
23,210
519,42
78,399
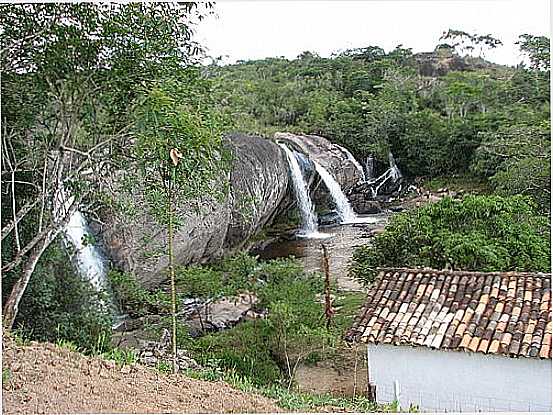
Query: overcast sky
258,29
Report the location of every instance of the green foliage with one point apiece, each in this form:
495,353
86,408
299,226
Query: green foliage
467,42
371,101
134,299
59,306
256,349
67,344
482,233
121,357
164,367
6,375
226,278
177,114
517,160
537,49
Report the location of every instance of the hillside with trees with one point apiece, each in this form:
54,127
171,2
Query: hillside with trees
442,113
142,189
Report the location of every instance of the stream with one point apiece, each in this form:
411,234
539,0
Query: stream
341,242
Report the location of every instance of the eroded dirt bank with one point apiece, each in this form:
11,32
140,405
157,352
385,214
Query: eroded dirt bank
44,378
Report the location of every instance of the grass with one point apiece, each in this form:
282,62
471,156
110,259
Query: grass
6,375
293,400
67,344
121,357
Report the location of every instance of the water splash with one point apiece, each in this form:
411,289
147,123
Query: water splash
353,160
91,263
305,205
345,211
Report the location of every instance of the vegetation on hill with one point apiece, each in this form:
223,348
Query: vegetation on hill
439,113
91,89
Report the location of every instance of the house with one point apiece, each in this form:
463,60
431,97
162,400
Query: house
458,341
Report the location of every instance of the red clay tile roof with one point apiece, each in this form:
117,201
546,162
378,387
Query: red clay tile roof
505,313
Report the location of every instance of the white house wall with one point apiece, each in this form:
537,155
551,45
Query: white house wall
436,380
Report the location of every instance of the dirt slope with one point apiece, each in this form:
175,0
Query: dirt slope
48,379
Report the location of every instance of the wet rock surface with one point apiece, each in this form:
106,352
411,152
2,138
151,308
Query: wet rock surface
328,155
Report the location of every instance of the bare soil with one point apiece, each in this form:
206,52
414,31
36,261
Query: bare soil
46,379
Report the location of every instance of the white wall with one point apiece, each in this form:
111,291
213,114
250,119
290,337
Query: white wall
438,380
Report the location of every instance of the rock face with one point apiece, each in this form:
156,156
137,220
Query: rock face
258,185
259,190
328,155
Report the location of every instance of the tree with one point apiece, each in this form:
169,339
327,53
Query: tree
536,48
468,43
69,74
487,233
180,157
517,160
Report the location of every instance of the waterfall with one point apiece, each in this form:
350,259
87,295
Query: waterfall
369,168
395,173
352,159
90,262
307,210
345,211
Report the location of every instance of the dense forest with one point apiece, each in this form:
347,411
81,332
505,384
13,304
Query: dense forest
107,110
440,113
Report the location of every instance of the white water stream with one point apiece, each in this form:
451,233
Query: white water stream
90,262
345,211
305,205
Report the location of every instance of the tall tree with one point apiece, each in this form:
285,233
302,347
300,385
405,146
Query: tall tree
180,155
70,72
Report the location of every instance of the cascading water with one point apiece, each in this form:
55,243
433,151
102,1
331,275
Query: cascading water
307,210
353,160
90,261
369,168
345,211
395,173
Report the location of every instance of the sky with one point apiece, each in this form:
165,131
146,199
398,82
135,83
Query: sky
244,30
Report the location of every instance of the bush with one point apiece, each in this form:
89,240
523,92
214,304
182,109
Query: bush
481,233
134,299
258,350
58,306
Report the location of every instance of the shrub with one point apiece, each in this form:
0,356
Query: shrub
136,300
59,306
484,233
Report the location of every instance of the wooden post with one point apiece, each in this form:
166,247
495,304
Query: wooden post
328,303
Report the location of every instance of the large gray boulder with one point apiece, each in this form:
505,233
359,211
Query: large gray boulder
258,184
260,189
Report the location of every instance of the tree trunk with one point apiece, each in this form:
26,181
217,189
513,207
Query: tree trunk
328,303
38,248
12,304
172,275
